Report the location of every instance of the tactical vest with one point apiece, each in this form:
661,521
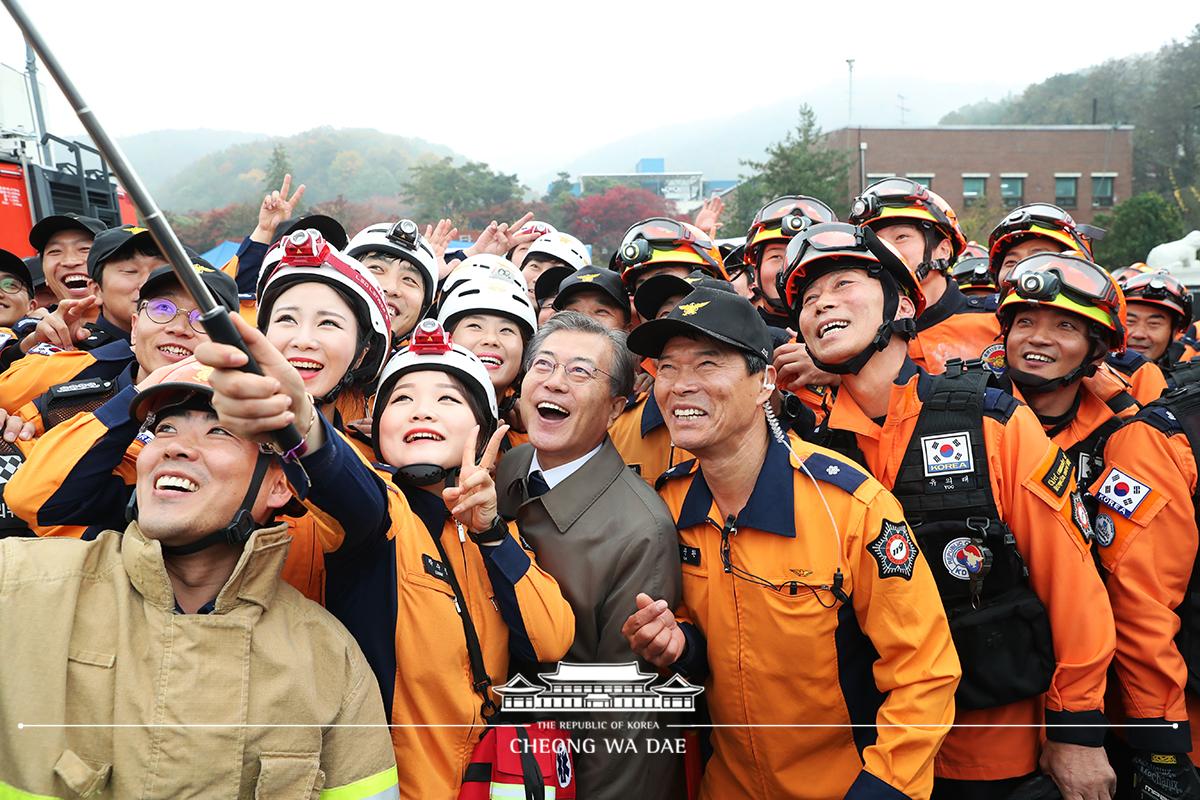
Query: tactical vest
1179,410
1182,373
64,400
10,459
999,626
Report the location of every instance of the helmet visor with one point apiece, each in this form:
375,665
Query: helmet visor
1043,276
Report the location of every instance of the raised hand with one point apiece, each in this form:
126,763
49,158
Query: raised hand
653,633
439,237
64,327
708,218
276,207
473,501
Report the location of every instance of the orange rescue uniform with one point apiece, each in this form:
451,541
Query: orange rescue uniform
956,326
641,437
763,588
1061,573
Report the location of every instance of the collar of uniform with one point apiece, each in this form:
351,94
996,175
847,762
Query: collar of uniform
428,507
952,302
771,506
847,415
106,332
567,501
254,579
117,350
652,415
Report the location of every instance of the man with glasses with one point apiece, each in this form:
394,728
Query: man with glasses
597,528
16,293
996,511
924,229
807,609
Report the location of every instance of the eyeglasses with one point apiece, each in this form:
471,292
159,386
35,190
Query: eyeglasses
576,372
11,285
163,311
1045,275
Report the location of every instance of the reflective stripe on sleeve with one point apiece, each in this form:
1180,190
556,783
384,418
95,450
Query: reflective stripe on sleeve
380,786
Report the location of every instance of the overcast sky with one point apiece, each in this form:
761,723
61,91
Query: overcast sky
520,82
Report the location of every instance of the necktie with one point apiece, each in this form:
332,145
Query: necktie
536,485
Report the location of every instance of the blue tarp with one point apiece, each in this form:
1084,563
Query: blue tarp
220,254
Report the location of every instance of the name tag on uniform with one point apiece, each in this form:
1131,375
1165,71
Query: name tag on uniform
689,555
435,568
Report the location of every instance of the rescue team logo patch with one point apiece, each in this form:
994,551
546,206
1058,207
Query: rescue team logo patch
1122,493
894,550
1105,529
949,454
1079,516
962,558
1058,477
994,359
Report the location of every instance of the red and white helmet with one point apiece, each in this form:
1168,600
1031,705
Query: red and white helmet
485,265
308,257
431,348
401,240
489,295
563,246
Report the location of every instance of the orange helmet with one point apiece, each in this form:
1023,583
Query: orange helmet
973,249
1122,274
1070,283
183,381
894,200
660,241
780,220
1160,289
1039,221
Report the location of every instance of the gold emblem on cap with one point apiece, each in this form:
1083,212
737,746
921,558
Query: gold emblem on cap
690,309
589,278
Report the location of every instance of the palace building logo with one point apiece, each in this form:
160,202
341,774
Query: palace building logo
598,687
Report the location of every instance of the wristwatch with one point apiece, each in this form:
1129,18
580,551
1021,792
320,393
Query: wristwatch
497,533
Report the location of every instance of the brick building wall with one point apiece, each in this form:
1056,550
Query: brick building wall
1009,164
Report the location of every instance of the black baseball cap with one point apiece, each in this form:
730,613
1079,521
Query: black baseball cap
548,282
720,315
112,240
39,234
650,296
591,279
223,287
330,229
14,265
34,265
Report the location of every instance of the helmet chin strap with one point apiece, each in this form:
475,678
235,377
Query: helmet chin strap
929,264
905,328
421,475
1035,384
236,533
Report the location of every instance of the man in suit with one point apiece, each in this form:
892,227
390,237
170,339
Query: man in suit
597,527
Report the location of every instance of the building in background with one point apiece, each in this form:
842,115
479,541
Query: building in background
686,189
1086,169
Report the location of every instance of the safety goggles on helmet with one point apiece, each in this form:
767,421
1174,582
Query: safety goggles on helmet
1160,288
894,193
641,240
1044,215
1046,275
973,273
1122,275
781,219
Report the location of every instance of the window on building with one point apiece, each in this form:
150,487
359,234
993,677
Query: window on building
1102,191
1012,191
974,190
1066,191
925,179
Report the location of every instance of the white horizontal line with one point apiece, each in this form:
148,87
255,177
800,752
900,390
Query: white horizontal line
1171,725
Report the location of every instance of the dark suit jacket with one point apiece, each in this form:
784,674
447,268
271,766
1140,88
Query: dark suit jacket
604,535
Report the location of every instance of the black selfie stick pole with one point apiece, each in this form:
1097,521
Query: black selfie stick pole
215,317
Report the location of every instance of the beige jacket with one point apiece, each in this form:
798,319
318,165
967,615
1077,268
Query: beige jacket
90,637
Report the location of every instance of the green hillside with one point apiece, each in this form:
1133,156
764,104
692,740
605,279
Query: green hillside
355,163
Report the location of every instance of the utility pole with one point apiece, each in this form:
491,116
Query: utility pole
850,93
903,108
36,96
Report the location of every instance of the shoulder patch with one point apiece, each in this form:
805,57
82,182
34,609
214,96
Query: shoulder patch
1105,529
44,349
994,358
1058,476
894,550
843,474
1079,516
677,471
1122,493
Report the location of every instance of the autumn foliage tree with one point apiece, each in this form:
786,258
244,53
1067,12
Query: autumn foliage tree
601,219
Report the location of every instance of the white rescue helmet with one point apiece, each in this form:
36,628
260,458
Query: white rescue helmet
485,265
402,240
563,246
489,295
305,257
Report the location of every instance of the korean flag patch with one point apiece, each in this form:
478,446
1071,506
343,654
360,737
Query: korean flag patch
949,454
1122,493
894,550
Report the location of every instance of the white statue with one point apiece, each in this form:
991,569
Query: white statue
1177,255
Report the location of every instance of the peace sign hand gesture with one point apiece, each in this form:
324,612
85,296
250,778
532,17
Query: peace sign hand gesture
473,501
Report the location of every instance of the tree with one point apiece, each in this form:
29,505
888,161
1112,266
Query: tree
1136,226
462,193
803,163
278,166
601,219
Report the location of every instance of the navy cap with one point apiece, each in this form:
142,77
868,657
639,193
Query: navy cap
592,279
108,242
223,287
548,282
39,234
650,296
720,315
